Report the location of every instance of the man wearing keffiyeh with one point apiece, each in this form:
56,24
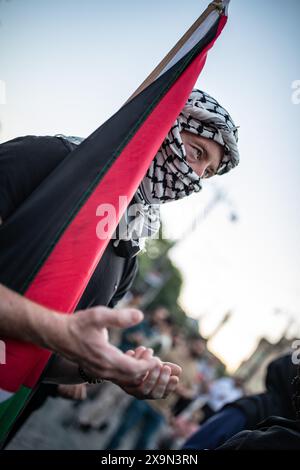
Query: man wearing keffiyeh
184,158
201,143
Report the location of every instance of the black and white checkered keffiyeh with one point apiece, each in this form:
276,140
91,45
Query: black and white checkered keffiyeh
169,176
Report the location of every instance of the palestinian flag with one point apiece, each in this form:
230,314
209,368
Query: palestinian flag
49,248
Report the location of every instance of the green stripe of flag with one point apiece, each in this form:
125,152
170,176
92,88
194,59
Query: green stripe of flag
11,408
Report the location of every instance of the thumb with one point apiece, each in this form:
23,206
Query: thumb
122,318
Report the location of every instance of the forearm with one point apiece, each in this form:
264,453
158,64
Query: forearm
81,338
27,321
63,371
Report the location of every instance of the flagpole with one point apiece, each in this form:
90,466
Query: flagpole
215,5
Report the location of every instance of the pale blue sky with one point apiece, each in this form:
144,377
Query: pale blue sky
69,64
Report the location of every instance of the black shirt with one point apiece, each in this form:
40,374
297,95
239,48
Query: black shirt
24,163
275,433
278,398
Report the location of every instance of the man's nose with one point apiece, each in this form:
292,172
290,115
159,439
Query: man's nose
201,169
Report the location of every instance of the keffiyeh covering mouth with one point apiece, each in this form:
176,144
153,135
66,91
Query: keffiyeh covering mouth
169,176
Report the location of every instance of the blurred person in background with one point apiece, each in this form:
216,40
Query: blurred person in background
249,411
146,331
221,391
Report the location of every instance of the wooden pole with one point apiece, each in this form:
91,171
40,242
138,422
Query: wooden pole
216,5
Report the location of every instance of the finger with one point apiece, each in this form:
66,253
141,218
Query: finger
122,380
139,351
123,318
130,365
162,382
172,385
150,381
131,368
175,368
147,354
72,393
83,392
130,352
143,353
144,380
112,359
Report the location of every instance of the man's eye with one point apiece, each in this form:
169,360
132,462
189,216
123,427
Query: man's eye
199,153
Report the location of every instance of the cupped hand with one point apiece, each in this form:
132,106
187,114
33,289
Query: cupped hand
158,382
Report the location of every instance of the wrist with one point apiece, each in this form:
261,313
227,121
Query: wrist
56,332
48,327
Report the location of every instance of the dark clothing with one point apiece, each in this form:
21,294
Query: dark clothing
25,162
277,400
248,412
281,432
273,434
217,429
110,281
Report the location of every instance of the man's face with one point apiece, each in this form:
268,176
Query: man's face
203,155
